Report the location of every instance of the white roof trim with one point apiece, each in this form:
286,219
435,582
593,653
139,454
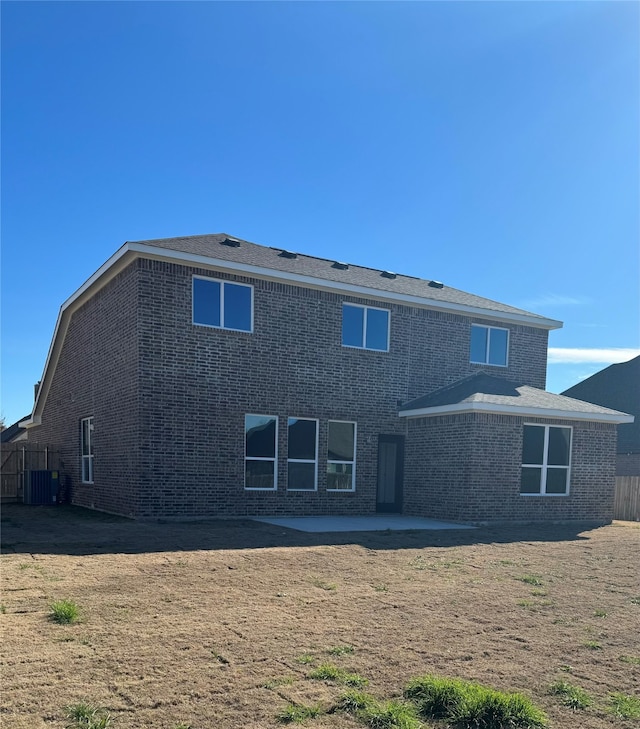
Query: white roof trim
321,283
483,407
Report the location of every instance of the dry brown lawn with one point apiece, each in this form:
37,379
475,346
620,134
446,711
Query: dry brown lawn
218,624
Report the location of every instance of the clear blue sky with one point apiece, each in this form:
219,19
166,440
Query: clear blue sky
490,145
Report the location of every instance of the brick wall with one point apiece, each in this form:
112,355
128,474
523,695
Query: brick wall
169,398
467,467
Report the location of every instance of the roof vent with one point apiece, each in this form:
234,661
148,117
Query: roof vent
231,242
287,254
436,284
340,266
388,274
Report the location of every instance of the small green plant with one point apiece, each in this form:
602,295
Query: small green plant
329,586
86,716
635,600
624,706
633,660
3,608
418,563
593,645
530,580
539,593
64,612
381,587
340,650
574,697
281,681
466,704
353,701
305,659
377,714
182,726
600,613
566,668
329,672
297,713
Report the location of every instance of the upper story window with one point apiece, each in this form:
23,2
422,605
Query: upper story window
489,345
302,454
222,304
546,457
366,327
86,449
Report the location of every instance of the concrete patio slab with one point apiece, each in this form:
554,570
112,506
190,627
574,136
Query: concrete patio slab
374,523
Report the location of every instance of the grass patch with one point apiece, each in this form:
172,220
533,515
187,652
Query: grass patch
592,645
465,704
530,580
64,612
378,714
297,713
624,706
317,582
3,609
600,613
539,593
635,600
341,650
633,660
380,587
329,672
572,696
86,716
305,659
282,681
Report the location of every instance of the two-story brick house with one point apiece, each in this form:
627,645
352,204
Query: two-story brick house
209,376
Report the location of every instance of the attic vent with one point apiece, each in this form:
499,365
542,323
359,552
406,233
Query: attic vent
341,266
231,242
388,274
287,254
436,284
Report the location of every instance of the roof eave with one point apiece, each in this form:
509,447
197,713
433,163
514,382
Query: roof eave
613,417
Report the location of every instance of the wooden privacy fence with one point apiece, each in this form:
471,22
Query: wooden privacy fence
18,458
627,500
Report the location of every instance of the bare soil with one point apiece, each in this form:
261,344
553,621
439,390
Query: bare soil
218,623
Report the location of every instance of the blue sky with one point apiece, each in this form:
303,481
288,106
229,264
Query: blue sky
494,146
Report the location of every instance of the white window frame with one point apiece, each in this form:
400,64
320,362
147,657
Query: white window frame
544,466
489,329
274,460
304,460
353,462
86,459
223,283
364,327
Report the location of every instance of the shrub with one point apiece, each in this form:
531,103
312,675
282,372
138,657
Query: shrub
64,612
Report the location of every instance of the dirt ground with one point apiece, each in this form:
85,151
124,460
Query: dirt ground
217,624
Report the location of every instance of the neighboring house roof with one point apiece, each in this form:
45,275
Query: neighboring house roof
221,252
616,386
13,432
488,394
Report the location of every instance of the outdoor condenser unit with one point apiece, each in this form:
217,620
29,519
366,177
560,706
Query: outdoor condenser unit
41,487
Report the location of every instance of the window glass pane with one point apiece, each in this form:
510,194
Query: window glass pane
533,444
259,474
260,434
498,346
85,469
237,307
530,480
341,442
557,480
340,476
559,442
352,326
206,302
302,439
478,344
85,437
301,476
377,329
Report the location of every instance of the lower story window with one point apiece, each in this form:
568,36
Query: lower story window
260,463
302,454
86,449
341,456
546,459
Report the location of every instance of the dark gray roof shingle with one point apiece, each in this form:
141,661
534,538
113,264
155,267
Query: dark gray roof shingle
212,246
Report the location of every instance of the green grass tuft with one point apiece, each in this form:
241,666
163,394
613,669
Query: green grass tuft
624,706
297,713
633,660
85,716
329,672
64,612
572,696
340,650
465,704
530,580
593,645
378,714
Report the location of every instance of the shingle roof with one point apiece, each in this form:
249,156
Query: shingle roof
212,246
12,431
479,390
616,386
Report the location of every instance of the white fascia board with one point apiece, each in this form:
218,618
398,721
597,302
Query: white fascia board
326,285
30,422
480,407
